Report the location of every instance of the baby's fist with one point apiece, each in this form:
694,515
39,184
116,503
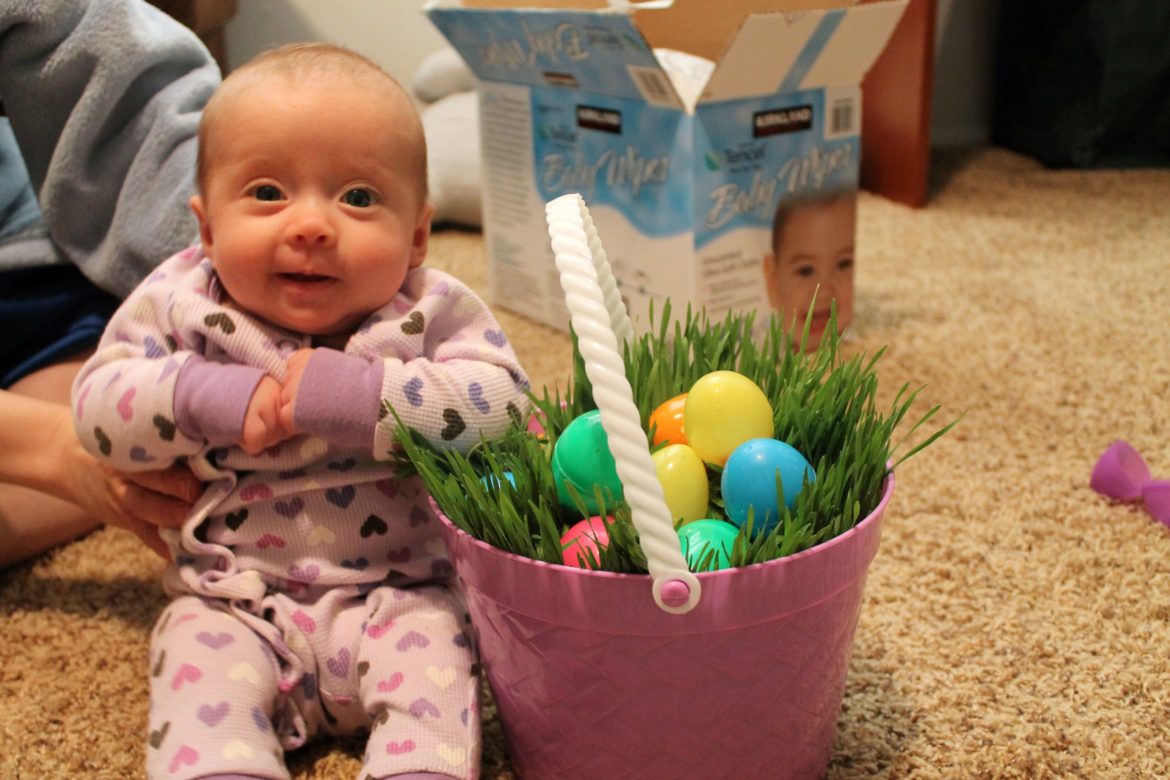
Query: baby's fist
262,427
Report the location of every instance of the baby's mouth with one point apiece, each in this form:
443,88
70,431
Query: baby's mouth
305,278
819,320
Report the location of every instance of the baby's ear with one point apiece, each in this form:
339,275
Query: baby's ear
422,235
196,204
771,280
769,264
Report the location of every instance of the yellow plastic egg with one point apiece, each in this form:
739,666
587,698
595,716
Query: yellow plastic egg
684,482
667,421
723,410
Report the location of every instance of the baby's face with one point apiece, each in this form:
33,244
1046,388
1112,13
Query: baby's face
813,255
311,210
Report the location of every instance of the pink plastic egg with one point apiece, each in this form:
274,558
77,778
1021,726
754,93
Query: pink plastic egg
584,538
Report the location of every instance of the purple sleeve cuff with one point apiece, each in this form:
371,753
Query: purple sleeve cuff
211,399
338,398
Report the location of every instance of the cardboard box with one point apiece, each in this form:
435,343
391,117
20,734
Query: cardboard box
578,99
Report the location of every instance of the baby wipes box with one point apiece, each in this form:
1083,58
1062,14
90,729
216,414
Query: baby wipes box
717,145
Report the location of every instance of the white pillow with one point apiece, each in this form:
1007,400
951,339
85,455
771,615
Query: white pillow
451,127
440,74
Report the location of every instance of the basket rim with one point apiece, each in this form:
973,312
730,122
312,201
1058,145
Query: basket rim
841,538
570,596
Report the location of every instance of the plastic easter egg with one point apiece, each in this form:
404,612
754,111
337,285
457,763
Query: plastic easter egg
723,410
585,535
492,482
702,536
563,495
667,421
749,480
581,458
684,481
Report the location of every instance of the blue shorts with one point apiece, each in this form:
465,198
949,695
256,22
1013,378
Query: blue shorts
47,315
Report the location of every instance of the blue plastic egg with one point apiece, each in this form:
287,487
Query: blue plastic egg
492,482
749,481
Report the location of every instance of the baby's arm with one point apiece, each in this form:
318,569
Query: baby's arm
147,397
447,371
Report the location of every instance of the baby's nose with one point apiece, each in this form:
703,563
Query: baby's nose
312,226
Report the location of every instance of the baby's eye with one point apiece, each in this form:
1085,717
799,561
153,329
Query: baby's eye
845,263
805,271
267,192
359,197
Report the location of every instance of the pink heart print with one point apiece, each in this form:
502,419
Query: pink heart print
390,685
304,622
186,674
255,492
125,410
185,756
379,630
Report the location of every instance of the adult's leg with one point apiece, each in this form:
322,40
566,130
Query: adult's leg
32,521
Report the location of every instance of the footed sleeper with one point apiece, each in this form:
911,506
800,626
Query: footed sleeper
312,591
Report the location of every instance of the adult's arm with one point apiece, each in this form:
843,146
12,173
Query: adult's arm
39,451
104,97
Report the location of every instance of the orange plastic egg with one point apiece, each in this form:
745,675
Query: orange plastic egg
667,421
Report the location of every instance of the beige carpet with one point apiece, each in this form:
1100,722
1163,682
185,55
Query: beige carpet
1015,623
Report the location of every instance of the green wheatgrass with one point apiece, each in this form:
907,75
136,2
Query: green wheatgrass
823,405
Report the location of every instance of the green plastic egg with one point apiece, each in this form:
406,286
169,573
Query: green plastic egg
702,536
581,458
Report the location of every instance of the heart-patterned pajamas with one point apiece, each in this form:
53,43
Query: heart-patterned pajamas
312,589
395,662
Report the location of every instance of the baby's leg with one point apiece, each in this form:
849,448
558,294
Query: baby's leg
213,689
417,682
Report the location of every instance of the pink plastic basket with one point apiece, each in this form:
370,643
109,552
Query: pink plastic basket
732,674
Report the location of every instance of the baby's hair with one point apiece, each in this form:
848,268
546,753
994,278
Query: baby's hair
787,208
306,59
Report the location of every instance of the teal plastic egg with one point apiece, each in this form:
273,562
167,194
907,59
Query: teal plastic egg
581,458
492,482
703,536
749,481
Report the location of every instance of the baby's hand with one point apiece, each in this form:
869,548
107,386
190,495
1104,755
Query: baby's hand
292,383
262,427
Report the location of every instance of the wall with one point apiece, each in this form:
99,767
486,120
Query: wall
964,72
393,33
396,35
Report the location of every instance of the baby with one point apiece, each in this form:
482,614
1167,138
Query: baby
311,588
812,253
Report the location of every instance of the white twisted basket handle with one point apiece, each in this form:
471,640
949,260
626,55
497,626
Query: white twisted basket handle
600,320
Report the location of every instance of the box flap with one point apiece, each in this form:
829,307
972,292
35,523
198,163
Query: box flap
785,52
603,53
693,26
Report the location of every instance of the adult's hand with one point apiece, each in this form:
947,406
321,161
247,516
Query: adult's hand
140,502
